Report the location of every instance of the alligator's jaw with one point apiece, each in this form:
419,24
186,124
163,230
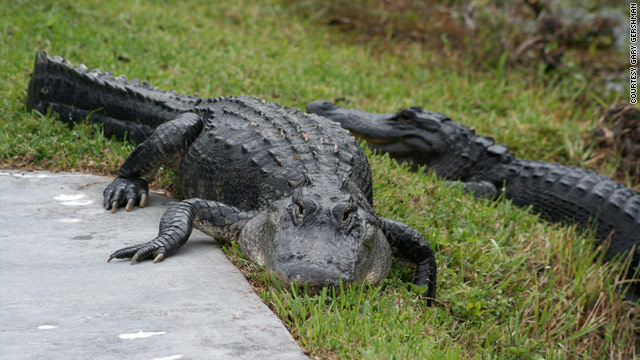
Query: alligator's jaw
374,128
401,134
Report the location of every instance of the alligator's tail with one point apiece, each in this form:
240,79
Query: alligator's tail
125,108
574,195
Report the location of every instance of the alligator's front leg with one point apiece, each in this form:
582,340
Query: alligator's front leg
166,143
410,245
223,222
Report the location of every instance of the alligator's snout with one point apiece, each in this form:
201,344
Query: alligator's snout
312,274
320,107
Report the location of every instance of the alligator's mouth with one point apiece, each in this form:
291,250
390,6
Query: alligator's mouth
307,287
400,146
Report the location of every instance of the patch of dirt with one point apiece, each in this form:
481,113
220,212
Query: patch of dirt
618,134
530,32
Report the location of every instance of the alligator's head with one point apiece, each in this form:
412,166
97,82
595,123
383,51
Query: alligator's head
412,134
318,236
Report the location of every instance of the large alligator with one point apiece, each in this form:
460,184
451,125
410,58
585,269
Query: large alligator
293,190
454,152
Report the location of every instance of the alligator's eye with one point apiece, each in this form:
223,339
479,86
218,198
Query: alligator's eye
348,216
424,119
406,114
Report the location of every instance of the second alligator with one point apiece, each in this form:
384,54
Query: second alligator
454,152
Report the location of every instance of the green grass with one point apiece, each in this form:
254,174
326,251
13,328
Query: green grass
509,285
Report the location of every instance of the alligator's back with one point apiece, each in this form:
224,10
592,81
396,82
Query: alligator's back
254,152
121,106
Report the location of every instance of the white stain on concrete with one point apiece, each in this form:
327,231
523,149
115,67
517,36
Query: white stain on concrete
141,334
47,327
25,175
69,220
78,203
73,200
63,197
172,357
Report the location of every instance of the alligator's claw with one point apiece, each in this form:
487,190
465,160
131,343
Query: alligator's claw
127,191
156,248
143,199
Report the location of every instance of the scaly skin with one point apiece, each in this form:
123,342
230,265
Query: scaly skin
454,152
294,190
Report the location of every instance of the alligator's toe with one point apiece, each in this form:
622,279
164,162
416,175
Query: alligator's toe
127,192
124,253
130,203
158,258
143,199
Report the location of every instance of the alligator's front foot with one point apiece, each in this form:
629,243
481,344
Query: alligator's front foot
131,190
175,227
159,248
167,242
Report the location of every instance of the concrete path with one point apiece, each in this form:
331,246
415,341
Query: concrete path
60,299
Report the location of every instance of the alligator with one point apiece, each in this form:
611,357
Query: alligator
294,190
454,152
